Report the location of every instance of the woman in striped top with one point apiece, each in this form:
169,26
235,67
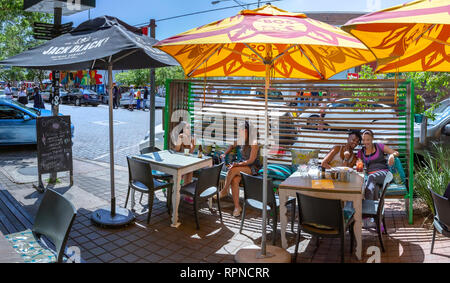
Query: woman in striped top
373,156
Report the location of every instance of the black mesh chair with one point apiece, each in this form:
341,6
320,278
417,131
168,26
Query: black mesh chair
323,218
203,188
375,209
157,174
253,196
441,221
53,222
140,179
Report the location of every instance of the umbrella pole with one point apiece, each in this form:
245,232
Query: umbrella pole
267,254
113,216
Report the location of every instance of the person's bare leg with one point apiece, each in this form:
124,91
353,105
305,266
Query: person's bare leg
230,176
188,178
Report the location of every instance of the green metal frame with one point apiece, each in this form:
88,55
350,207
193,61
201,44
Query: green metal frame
166,115
411,154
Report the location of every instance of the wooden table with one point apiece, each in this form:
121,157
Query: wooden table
345,191
176,164
7,252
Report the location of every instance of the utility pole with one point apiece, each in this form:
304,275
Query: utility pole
152,91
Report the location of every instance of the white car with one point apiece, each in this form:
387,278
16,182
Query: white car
437,128
160,102
334,111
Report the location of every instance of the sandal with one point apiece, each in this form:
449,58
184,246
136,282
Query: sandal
237,212
222,194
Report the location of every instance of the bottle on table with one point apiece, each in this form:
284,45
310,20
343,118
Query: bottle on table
359,165
200,151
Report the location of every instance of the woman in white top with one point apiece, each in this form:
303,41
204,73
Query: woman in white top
343,155
8,91
23,96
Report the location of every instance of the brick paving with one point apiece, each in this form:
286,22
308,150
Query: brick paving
214,242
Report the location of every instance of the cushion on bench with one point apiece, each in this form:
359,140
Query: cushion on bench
31,251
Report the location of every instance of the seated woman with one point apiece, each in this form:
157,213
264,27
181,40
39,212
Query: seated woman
343,155
183,141
250,164
372,154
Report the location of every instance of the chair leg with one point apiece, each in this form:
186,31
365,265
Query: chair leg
128,194
378,223
352,236
274,225
140,200
243,217
218,207
384,225
150,205
196,212
432,241
297,241
342,246
169,200
293,215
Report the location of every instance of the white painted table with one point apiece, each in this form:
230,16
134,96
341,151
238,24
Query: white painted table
345,191
7,252
176,164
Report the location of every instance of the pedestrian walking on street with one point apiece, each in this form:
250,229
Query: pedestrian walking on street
23,95
8,91
115,95
38,101
138,99
131,98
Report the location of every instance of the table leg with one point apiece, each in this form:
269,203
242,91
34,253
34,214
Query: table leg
283,217
357,205
176,200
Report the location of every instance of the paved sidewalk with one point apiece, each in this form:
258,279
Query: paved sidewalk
214,242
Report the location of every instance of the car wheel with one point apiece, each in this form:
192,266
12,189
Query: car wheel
94,105
77,102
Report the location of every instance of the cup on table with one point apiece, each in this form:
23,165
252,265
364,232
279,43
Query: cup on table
186,151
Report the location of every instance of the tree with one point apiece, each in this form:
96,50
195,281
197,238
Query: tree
142,77
16,34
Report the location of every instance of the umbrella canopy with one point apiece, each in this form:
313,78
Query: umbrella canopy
92,45
407,38
101,43
266,42
301,47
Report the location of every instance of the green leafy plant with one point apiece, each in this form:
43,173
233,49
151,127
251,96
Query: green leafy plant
419,106
433,174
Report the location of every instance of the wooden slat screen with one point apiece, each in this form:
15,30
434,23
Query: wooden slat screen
318,121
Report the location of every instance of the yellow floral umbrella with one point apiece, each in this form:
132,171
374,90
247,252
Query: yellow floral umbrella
266,42
411,37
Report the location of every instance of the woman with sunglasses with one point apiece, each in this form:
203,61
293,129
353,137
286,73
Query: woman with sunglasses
373,156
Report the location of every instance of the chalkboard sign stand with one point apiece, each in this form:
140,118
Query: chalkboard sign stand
54,147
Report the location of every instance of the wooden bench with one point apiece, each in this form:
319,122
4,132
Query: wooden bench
297,121
13,217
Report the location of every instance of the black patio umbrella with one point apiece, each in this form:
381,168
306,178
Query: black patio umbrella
104,43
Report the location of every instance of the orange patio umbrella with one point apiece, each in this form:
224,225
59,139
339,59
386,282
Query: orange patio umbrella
411,37
266,42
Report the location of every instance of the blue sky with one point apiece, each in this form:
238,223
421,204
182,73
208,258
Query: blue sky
141,11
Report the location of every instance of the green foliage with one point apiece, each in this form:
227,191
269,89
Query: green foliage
434,174
419,106
142,77
16,34
367,73
435,82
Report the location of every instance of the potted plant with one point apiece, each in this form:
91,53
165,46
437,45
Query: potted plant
419,108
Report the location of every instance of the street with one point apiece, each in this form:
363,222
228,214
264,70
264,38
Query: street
91,139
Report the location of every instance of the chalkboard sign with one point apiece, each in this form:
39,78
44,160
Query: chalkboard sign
54,144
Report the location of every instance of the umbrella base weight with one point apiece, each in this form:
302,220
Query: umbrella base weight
102,217
252,254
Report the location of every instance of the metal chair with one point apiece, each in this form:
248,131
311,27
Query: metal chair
53,221
323,218
441,221
253,196
204,188
375,209
140,179
157,174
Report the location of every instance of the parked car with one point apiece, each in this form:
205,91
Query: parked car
439,128
160,102
80,97
371,115
18,122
